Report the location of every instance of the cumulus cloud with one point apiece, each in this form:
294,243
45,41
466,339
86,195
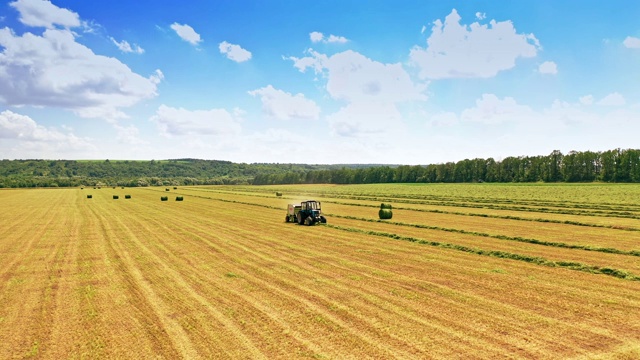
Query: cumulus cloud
39,13
234,52
492,110
372,90
632,42
613,99
125,47
179,122
548,67
22,128
586,100
186,33
354,77
456,50
55,70
318,37
285,106
481,16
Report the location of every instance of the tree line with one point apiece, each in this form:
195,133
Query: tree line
619,165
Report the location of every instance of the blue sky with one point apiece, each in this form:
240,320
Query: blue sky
397,82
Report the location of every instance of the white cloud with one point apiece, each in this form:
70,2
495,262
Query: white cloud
548,67
234,52
354,77
41,13
372,91
25,130
284,106
124,46
444,119
129,135
613,99
586,100
337,39
481,16
491,110
55,70
468,51
179,122
186,33
318,37
632,42
424,28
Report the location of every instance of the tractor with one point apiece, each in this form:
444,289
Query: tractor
307,213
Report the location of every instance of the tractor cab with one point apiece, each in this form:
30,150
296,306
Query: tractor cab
308,212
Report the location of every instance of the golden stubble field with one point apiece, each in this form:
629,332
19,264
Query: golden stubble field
461,271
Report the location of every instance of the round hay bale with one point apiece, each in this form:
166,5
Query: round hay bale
278,194
115,197
385,206
89,196
127,196
175,188
164,198
385,214
179,198
167,189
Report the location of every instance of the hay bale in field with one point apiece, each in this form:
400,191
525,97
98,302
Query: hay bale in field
385,214
127,196
123,187
164,198
385,206
115,197
167,189
89,196
175,188
179,198
278,194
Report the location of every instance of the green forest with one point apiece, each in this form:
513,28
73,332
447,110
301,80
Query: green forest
619,165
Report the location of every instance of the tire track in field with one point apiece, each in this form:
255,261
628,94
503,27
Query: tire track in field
235,231
147,302
228,325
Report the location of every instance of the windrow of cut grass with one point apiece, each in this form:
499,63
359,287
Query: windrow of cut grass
538,252
268,227
552,232
227,278
623,223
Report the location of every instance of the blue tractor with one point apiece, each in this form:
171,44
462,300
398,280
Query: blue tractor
307,213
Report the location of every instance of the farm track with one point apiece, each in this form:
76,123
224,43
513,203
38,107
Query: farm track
213,278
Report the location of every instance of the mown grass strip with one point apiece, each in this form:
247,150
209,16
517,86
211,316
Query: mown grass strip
621,274
500,237
435,211
506,217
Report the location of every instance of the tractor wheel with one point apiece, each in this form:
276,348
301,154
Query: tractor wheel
309,221
323,219
286,218
300,219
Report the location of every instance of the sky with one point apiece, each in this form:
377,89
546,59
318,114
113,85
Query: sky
317,82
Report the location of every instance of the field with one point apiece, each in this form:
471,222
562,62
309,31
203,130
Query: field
540,271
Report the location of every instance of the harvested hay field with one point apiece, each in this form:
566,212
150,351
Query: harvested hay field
460,271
